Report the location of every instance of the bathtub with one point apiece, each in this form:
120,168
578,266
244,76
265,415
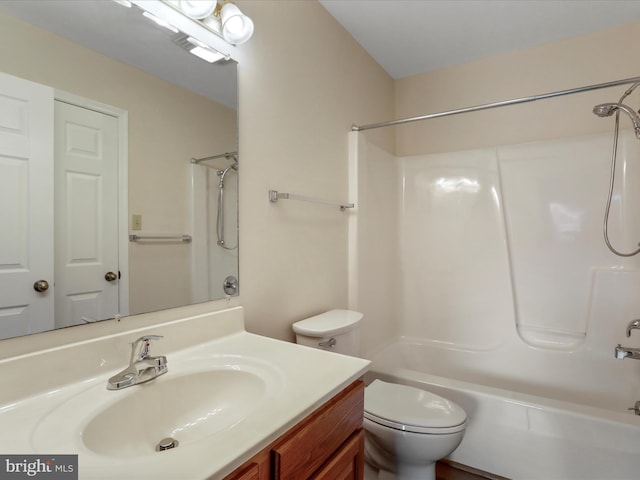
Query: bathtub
528,437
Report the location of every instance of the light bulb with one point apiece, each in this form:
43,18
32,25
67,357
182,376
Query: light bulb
198,9
237,28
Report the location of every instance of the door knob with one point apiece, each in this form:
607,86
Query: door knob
110,277
41,286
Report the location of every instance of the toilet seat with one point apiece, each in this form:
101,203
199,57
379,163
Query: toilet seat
410,409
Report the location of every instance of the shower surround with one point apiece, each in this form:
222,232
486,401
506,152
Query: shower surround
210,263
489,267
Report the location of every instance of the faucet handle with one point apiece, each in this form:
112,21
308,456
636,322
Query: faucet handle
634,324
144,343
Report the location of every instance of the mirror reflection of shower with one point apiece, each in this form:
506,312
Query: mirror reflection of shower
220,215
214,219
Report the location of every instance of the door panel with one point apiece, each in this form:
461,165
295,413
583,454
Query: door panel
26,206
86,231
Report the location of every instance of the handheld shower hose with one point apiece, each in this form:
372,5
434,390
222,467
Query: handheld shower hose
606,110
220,214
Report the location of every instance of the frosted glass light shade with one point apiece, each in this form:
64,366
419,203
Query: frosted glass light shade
237,28
198,9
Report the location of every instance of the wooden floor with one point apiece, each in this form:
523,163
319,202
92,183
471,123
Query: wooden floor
448,470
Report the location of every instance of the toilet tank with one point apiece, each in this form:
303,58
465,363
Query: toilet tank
335,331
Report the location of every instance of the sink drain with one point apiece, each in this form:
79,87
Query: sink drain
166,444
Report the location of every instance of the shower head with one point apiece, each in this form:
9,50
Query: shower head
223,173
605,109
608,109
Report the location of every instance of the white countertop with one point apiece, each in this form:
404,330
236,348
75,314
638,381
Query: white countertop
51,421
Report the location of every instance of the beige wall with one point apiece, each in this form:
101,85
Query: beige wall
303,82
167,126
603,56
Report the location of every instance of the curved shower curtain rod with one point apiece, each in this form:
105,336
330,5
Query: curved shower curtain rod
487,106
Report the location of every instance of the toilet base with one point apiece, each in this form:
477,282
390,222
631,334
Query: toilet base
422,473
379,466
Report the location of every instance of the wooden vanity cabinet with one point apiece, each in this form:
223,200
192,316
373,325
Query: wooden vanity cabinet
258,468
326,445
347,463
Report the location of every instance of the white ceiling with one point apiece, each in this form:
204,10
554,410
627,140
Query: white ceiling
407,37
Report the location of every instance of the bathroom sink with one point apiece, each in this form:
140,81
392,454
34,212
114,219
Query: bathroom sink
185,408
192,401
227,394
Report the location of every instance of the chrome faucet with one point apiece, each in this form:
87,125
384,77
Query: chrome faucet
624,352
633,325
142,367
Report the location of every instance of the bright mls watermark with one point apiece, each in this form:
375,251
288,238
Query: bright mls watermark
49,467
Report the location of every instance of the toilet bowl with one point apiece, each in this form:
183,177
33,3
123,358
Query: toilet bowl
407,429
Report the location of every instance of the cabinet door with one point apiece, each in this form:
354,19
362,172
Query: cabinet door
306,448
347,463
258,468
250,472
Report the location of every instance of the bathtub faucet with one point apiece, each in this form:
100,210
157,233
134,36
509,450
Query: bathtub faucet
633,325
624,352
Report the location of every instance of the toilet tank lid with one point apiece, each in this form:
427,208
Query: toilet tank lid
333,322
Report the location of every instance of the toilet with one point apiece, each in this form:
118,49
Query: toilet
407,429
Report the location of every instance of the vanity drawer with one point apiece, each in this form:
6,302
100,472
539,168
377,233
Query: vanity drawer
317,438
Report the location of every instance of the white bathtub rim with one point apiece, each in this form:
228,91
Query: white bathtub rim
418,379
588,376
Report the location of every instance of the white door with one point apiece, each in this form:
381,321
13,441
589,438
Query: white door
86,204
26,206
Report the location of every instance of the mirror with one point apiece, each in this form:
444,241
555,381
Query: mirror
164,107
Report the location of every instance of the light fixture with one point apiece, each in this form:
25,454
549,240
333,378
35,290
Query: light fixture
198,9
218,25
224,18
237,28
